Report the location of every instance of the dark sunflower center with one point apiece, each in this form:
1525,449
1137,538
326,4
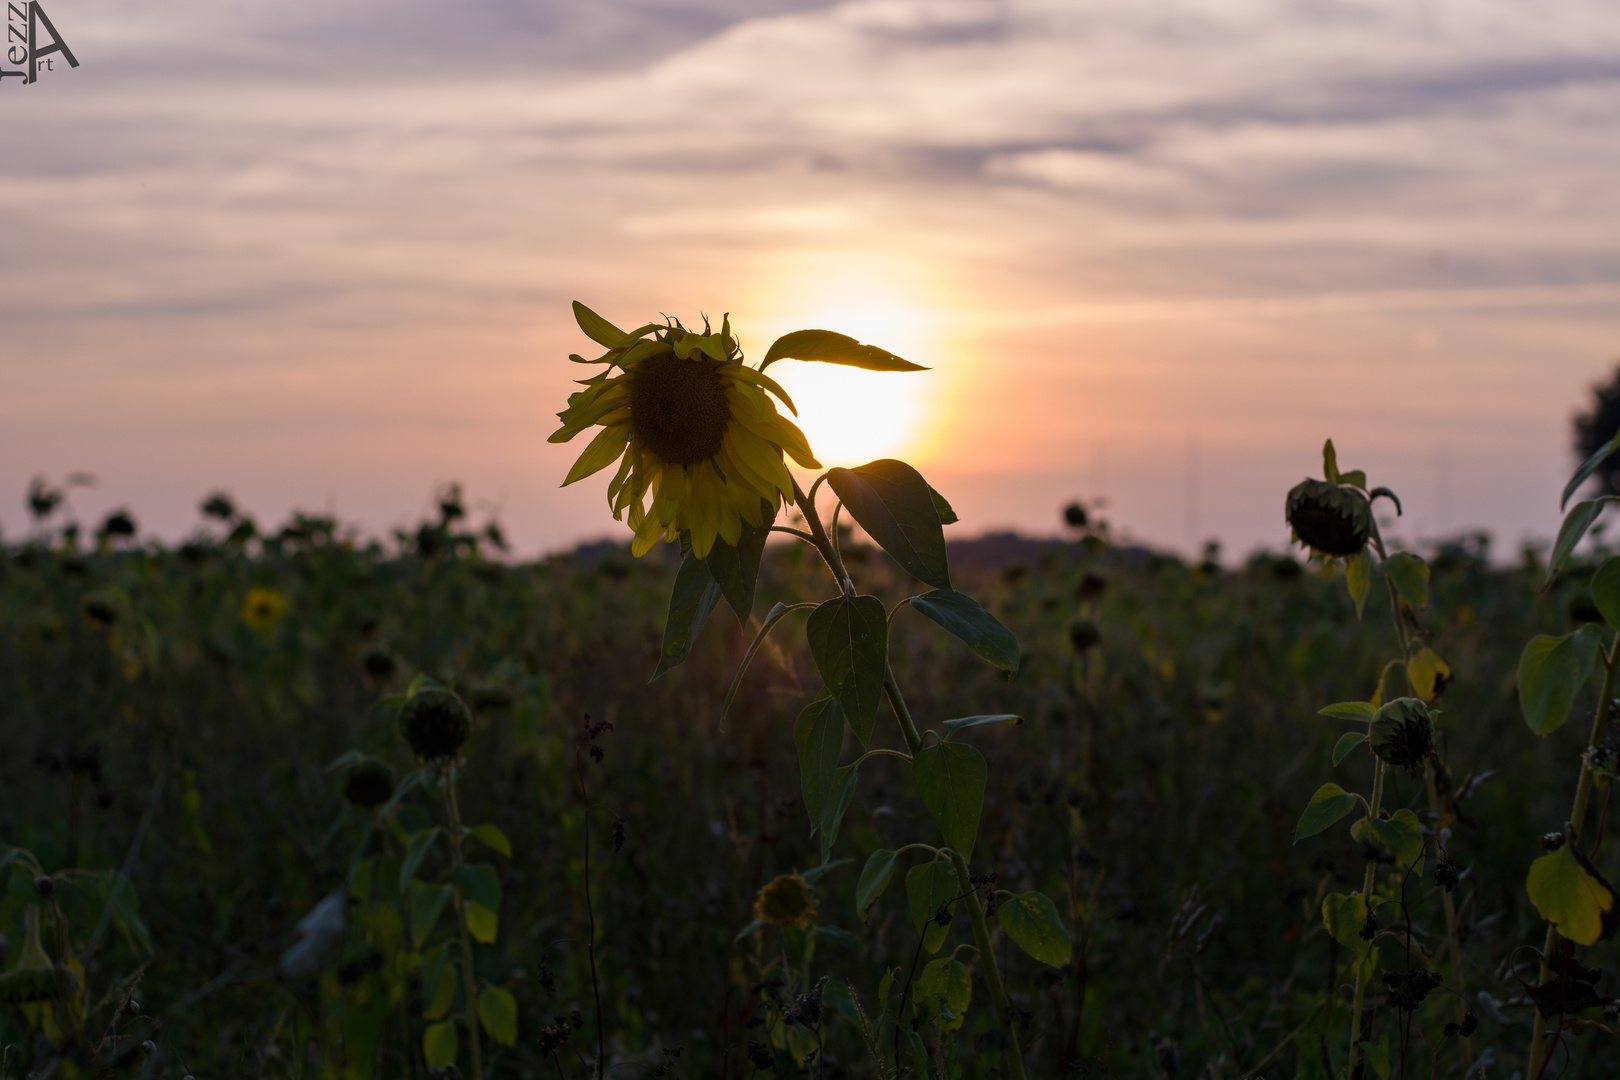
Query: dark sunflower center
678,408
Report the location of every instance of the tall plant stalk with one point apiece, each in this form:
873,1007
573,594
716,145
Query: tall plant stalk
469,984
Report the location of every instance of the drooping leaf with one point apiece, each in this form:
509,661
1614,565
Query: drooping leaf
965,722
849,639
840,937
1588,467
427,904
497,1012
690,603
479,882
482,923
1428,673
833,348
1033,922
1401,834
930,885
943,992
950,777
1330,803
895,505
947,516
1350,710
962,616
1569,896
1344,915
816,873
818,734
1377,1056
1576,523
1605,590
1347,742
1358,579
778,612
1552,671
439,981
439,1044
835,807
736,569
415,851
493,838
1330,462
875,878
1410,576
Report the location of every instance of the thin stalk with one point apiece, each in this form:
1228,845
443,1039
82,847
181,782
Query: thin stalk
987,964
1577,815
1366,895
818,537
469,979
1450,908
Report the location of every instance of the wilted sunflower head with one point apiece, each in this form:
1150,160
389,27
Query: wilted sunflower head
263,608
692,430
1402,733
435,722
369,783
785,901
1334,519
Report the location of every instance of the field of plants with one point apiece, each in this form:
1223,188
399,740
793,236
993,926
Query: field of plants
202,745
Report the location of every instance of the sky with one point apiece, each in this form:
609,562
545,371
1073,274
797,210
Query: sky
1154,253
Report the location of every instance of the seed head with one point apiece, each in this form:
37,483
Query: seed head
1402,733
100,610
1084,635
45,886
370,783
1329,518
785,901
435,722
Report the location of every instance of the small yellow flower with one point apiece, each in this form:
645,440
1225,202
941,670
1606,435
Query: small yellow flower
691,427
263,608
785,901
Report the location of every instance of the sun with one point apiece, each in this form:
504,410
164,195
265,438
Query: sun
851,416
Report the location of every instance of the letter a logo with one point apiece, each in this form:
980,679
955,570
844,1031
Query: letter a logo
36,19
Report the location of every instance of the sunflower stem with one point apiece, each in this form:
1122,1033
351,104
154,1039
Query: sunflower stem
469,975
818,537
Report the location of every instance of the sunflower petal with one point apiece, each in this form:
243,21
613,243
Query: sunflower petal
759,378
603,451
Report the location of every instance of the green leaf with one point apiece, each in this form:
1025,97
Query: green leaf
1033,922
736,569
1427,672
690,603
1344,914
1552,671
1605,590
1569,896
492,837
947,516
966,722
1576,522
777,613
497,1012
597,328
929,885
833,348
1350,710
1330,462
482,923
1378,1056
943,992
962,616
1410,576
950,778
479,882
1358,578
439,1044
1355,478
833,810
439,982
816,873
875,878
1588,467
849,639
1330,803
415,851
427,904
818,734
1347,742
1401,834
840,937
895,505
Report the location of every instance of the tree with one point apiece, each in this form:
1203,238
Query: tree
1597,426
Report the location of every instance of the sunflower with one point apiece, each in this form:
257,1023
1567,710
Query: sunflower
785,901
263,608
691,428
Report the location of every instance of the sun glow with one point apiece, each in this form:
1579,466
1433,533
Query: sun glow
852,416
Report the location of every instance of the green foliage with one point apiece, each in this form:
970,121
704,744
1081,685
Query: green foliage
497,1012
1347,742
929,886
962,616
1410,576
943,991
1605,589
1344,915
818,734
897,508
736,569
1573,530
1400,833
1328,805
690,604
1568,895
875,878
950,778
1033,922
849,639
829,347
1552,671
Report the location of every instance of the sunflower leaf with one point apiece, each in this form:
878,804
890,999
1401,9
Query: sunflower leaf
1552,671
834,348
1576,522
1588,467
896,507
928,886
818,734
950,777
947,516
693,598
849,639
776,613
736,569
962,616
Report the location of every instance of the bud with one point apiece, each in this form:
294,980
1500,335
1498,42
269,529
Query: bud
435,722
378,663
1329,518
44,886
1402,733
370,783
1084,635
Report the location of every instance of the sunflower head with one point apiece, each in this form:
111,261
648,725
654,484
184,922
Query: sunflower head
435,722
1402,733
785,901
369,783
1334,519
698,443
263,608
